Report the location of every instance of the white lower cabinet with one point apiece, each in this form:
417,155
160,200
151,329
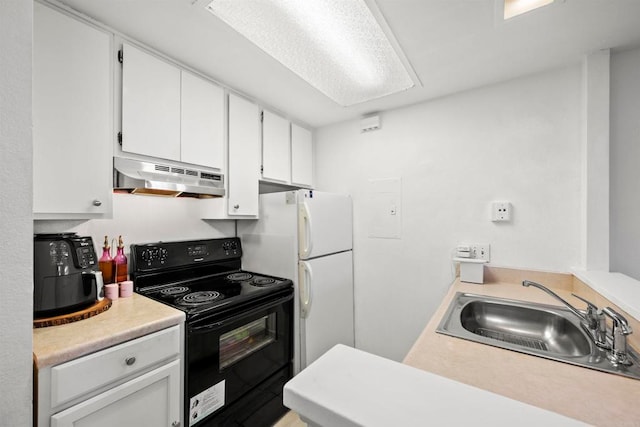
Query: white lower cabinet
136,383
150,400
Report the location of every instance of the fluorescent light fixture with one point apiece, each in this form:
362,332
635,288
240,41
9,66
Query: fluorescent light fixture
518,7
337,46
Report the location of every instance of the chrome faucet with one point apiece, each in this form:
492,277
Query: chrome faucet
592,318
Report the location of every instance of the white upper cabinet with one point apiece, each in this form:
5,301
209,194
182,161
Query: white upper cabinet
150,105
202,122
72,117
244,157
301,156
276,148
170,113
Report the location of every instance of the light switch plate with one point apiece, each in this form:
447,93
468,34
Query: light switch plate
481,251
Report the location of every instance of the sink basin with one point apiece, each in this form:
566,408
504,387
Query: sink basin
537,329
542,330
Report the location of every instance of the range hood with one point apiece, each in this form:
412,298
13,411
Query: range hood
144,177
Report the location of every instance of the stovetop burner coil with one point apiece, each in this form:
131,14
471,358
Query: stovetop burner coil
202,297
263,281
174,290
239,277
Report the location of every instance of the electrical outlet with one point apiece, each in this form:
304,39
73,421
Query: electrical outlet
481,251
500,211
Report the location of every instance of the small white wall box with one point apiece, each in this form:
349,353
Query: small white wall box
370,123
471,270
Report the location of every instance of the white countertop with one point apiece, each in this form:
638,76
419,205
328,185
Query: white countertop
349,387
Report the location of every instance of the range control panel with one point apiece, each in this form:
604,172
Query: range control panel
167,255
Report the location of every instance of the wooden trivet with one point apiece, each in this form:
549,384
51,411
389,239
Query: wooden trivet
97,308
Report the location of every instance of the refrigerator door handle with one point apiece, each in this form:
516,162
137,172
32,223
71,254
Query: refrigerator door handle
306,243
306,294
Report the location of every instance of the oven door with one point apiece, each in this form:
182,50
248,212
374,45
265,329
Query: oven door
230,357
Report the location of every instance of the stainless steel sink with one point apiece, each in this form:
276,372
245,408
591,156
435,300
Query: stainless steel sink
541,330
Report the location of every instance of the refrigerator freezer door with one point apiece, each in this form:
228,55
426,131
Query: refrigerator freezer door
324,223
326,305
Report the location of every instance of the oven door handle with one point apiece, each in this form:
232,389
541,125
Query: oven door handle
222,323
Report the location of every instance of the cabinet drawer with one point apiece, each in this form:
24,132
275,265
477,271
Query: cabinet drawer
85,374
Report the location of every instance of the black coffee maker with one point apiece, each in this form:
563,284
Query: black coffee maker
66,277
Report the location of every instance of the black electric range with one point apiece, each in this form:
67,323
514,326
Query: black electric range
201,278
239,328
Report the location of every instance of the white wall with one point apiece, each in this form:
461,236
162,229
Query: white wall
624,157
16,266
145,219
518,141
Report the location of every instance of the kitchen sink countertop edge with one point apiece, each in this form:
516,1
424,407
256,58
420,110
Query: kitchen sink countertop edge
594,397
126,319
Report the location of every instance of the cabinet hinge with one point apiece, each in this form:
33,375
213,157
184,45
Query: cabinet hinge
261,169
261,116
120,138
120,56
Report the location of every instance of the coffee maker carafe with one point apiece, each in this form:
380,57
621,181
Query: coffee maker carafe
65,275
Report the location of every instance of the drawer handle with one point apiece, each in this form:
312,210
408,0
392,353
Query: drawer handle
97,202
130,360
236,206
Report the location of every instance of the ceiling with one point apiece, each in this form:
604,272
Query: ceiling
453,45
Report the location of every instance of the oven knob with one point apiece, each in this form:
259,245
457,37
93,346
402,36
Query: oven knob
162,254
146,255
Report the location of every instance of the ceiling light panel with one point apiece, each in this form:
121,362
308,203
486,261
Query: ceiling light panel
518,7
335,45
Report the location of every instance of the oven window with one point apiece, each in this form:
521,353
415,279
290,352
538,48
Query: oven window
239,343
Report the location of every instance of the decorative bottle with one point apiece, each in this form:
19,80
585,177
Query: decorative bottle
120,261
106,262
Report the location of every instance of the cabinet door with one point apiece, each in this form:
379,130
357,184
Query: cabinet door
150,105
202,122
72,116
276,148
152,399
244,156
301,156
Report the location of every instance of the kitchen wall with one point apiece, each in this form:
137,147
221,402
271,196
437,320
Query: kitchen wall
144,219
16,300
625,154
518,141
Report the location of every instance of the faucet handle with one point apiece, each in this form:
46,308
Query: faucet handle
595,321
618,353
591,307
620,322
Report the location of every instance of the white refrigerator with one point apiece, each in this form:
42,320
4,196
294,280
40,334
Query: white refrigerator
307,236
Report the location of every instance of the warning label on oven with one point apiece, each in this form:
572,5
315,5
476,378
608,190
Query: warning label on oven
206,402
